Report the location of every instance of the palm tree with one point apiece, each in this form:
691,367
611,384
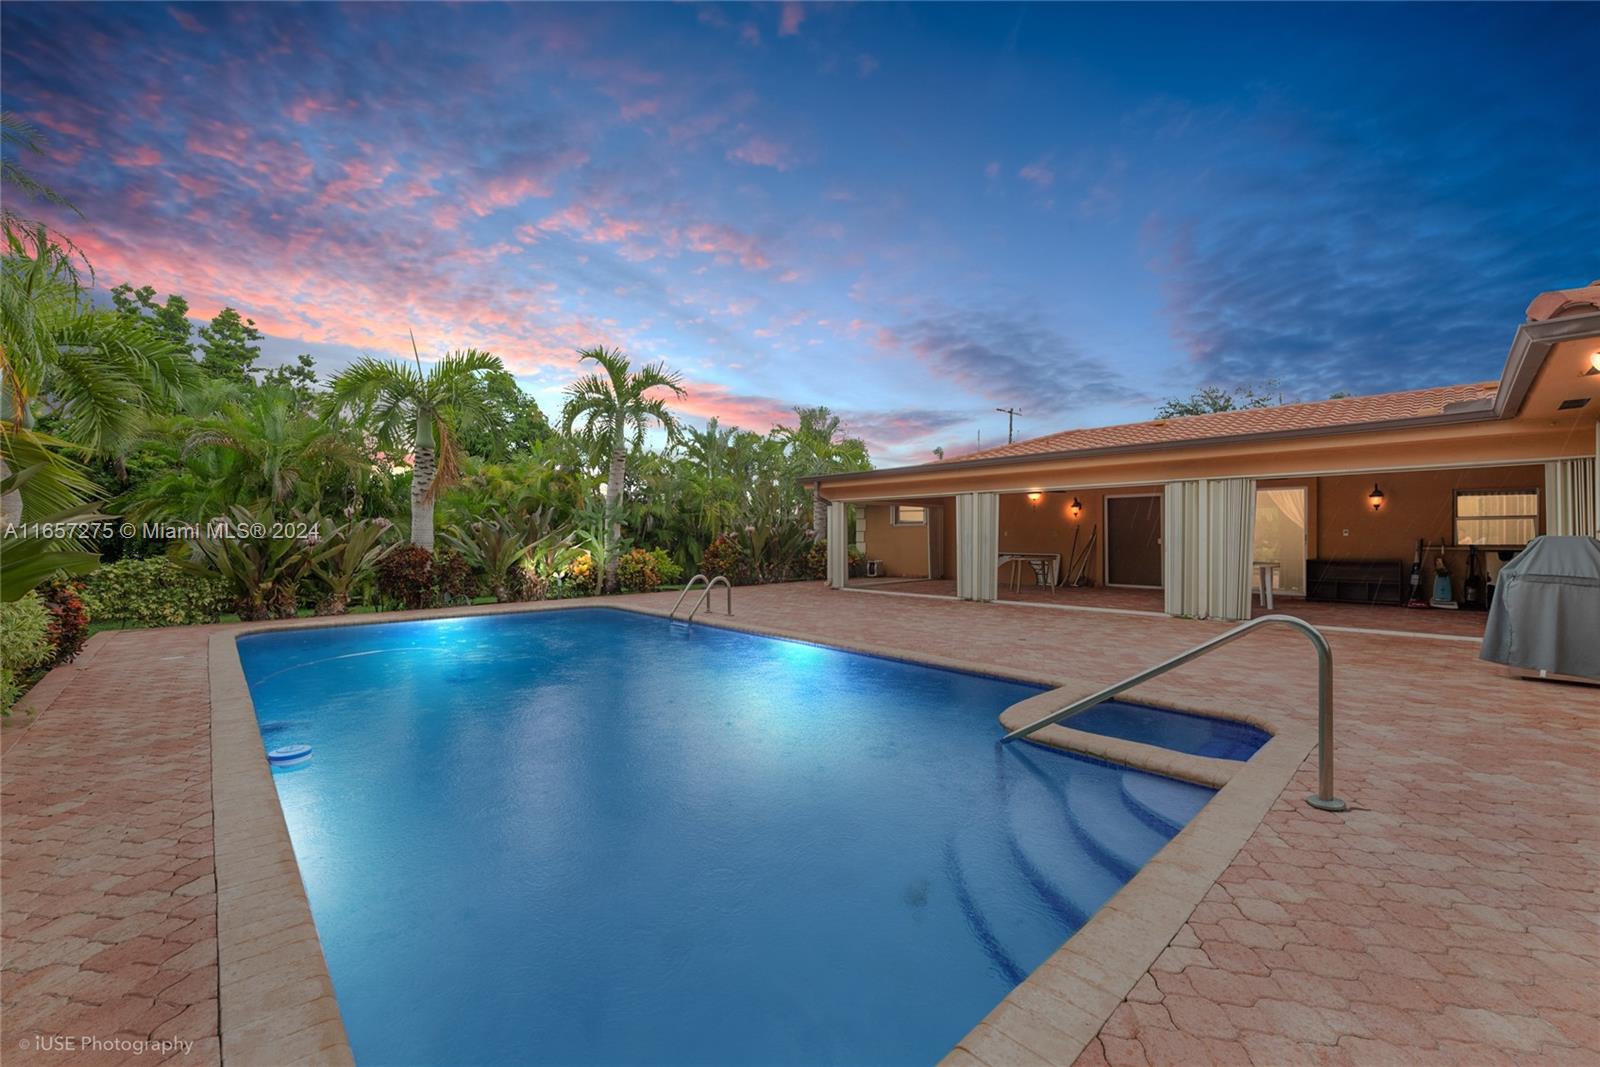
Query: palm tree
614,411
392,399
280,447
815,447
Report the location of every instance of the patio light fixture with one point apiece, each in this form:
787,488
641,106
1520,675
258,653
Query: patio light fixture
1594,363
1375,498
1076,507
1034,498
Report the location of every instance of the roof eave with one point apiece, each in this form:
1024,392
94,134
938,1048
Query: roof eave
1443,419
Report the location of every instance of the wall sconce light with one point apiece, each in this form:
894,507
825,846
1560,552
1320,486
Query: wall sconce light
1594,363
1035,497
1075,508
1375,498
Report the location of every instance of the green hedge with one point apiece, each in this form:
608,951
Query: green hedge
24,644
153,592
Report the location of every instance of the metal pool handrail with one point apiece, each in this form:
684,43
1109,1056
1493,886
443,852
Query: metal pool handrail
687,587
704,598
1323,798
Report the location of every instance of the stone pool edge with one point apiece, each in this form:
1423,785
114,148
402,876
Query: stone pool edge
276,998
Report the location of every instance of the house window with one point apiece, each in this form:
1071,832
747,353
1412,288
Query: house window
905,515
1496,516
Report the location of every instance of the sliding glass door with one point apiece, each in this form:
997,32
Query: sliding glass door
1281,525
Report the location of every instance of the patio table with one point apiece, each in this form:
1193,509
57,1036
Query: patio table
1046,567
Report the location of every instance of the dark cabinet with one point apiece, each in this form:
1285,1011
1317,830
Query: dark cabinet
1357,581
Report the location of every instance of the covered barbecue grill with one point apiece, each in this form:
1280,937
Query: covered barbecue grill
1546,610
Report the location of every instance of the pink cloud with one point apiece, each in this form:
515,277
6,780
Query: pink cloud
992,169
758,413
196,185
761,152
750,34
726,243
866,65
143,156
794,13
639,109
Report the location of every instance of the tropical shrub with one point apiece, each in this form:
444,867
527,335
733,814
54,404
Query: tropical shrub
405,577
347,557
452,575
667,569
774,552
260,559
637,572
581,576
69,619
816,567
153,592
495,545
725,557
24,644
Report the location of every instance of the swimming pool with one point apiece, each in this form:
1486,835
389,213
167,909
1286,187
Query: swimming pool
594,836
1181,731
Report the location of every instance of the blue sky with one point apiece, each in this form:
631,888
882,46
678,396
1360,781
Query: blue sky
911,213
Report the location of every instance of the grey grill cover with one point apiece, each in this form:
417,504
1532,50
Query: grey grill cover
1546,610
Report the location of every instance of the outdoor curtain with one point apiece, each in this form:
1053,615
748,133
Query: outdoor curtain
1183,549
1230,543
1208,531
838,544
1569,497
977,546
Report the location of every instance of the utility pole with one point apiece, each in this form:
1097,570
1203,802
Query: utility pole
1011,417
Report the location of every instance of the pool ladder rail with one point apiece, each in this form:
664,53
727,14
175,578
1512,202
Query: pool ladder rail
1323,798
704,598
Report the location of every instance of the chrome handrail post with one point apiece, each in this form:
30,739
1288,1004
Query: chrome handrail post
686,589
1323,798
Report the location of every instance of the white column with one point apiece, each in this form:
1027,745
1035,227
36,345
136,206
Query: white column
838,544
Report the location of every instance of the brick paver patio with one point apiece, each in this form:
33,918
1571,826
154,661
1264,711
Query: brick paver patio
1451,917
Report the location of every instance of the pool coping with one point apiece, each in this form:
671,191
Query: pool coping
276,999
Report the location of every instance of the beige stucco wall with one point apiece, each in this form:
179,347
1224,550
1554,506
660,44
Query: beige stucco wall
1417,504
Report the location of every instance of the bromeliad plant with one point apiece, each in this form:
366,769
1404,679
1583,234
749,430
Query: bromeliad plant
259,558
346,557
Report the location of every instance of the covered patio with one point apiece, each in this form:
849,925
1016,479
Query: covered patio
1336,549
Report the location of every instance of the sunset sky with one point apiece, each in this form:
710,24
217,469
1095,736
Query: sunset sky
912,214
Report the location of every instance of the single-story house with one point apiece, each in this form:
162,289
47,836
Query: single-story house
1328,500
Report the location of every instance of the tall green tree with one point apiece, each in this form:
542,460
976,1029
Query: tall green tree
229,346
424,410
515,424
611,409
817,445
169,318
1212,399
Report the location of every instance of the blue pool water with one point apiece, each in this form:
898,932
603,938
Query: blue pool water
1198,735
591,836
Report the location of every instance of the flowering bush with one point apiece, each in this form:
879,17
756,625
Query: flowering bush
405,577
69,620
582,576
153,592
24,645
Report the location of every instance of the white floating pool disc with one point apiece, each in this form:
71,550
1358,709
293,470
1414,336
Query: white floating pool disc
288,755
